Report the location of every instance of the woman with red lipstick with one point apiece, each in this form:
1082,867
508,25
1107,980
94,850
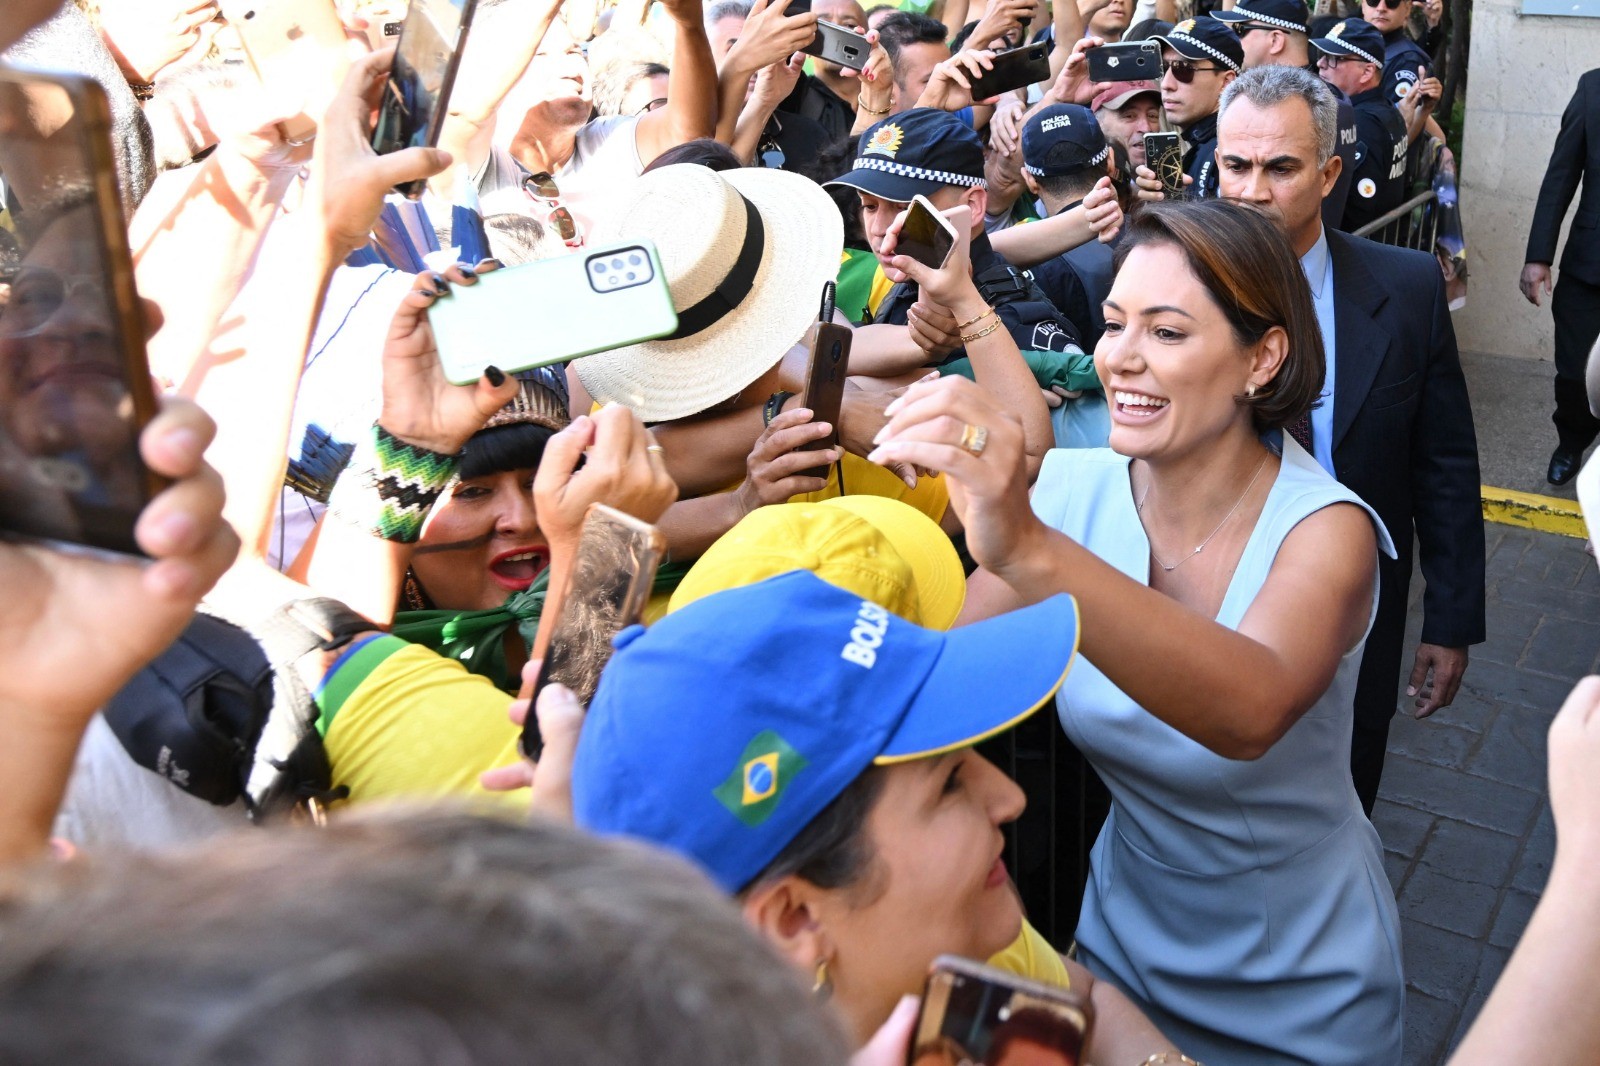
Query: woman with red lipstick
469,572
1226,585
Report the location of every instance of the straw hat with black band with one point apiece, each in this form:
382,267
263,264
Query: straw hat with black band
745,253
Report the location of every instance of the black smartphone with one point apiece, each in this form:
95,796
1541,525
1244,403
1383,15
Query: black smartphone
827,366
1133,61
797,7
1163,153
836,44
415,99
75,389
1013,69
926,236
977,1014
610,584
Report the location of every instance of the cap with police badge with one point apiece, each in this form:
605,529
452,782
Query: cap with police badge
1355,38
1062,139
1279,14
1205,39
915,152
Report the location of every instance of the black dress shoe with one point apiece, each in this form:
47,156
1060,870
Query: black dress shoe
1563,464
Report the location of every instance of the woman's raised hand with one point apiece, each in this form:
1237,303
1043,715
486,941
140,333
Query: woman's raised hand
420,406
622,468
955,427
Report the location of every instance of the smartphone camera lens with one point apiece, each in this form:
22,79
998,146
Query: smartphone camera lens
632,276
616,264
599,268
634,260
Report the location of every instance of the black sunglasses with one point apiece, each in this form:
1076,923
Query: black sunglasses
1248,27
1390,4
1183,70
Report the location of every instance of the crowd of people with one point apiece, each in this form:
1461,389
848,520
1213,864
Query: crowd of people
1160,466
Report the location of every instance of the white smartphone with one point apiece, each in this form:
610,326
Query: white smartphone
553,310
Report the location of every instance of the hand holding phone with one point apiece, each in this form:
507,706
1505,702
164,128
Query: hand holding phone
1014,69
827,367
609,297
925,235
608,585
1131,61
1163,153
75,390
417,94
838,45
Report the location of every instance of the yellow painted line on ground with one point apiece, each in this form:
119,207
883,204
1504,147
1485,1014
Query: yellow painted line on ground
1547,514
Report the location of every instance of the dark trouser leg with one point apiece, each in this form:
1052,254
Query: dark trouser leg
1378,686
1576,308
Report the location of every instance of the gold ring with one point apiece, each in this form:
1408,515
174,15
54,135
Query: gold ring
658,449
974,438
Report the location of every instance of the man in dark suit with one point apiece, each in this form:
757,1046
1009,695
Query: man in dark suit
1576,302
1395,424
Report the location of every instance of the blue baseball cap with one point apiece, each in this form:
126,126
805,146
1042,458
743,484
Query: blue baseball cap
1356,38
1204,38
724,729
1279,14
1062,139
919,151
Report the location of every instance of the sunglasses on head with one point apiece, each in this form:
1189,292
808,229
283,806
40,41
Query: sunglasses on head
1390,4
543,188
1183,70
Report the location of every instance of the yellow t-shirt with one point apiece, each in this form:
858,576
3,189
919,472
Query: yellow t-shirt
1031,956
401,721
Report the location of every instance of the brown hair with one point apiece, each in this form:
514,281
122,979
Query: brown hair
1242,257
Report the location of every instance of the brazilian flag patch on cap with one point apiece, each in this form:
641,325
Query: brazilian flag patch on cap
764,770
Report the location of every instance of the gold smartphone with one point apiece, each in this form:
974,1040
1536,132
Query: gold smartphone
295,47
972,1013
610,584
75,389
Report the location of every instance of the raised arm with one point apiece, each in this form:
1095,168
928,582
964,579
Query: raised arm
499,49
1311,611
250,390
997,365
691,109
80,626
194,253
1030,245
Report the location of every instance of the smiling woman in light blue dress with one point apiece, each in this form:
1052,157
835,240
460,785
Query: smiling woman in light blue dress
1225,585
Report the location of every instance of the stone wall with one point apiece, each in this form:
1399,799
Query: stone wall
1523,72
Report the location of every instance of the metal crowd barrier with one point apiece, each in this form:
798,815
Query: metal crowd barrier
1414,224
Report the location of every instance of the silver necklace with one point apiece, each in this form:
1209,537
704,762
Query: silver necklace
1139,510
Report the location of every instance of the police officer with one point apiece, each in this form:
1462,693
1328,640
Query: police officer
1275,33
1201,56
932,153
1064,153
1352,60
1403,58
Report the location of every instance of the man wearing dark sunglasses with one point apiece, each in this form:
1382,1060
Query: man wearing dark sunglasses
1201,56
1351,60
1403,58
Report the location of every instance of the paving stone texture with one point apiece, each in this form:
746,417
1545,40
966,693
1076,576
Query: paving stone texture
1463,814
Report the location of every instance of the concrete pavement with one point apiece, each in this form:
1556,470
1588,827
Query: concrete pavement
1462,812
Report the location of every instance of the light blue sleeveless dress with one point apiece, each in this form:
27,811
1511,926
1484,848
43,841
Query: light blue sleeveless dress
1242,904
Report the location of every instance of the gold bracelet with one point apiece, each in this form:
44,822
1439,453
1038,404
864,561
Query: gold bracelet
1165,1058
862,104
984,332
987,311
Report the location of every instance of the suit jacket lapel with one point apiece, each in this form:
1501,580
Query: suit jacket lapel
1362,343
